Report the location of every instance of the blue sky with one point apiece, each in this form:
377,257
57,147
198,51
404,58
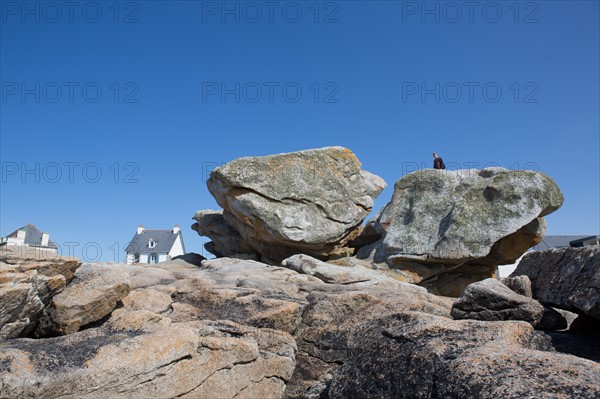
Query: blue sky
112,113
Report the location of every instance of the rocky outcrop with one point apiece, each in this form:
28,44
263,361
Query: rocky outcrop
152,346
490,300
175,305
243,291
241,328
308,320
20,307
93,294
23,260
339,302
450,228
414,355
318,307
567,278
226,241
141,355
309,202
28,281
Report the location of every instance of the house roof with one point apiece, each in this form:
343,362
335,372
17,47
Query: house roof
579,242
33,236
556,242
164,241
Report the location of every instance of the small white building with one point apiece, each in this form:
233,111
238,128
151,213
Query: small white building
154,246
30,237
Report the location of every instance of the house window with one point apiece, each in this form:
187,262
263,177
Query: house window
136,258
154,258
151,244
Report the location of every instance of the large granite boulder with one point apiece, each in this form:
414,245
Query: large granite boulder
309,202
490,300
566,278
28,281
450,228
415,355
19,307
20,263
93,294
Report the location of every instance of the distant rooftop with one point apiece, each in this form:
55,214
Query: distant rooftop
590,240
33,236
164,241
563,241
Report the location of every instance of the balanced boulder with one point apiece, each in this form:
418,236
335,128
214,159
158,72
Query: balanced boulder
309,202
462,222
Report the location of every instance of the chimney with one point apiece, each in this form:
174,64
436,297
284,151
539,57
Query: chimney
140,229
176,229
45,239
21,234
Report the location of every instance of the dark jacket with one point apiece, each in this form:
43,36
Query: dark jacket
438,163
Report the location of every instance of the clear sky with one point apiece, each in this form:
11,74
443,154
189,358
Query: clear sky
112,113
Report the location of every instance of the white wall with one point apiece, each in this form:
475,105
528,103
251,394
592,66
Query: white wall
16,243
29,251
177,248
129,258
12,241
506,270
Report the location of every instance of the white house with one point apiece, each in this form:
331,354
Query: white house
30,237
154,246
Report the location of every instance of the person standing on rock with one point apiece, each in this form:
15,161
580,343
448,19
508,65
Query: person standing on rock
438,162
